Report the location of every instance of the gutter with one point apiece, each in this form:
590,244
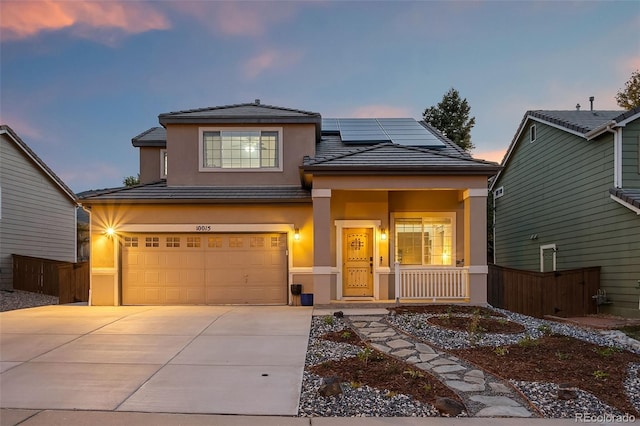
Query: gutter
606,127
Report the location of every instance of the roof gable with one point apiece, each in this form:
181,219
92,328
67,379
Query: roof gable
585,124
13,136
239,113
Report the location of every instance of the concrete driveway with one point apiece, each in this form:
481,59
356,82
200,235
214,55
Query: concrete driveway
176,359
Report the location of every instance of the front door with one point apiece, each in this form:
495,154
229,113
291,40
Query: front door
357,262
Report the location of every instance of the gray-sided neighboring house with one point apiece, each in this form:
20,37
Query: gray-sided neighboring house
37,209
568,197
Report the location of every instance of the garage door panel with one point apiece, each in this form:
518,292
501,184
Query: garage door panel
212,268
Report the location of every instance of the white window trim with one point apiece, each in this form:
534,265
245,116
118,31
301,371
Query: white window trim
498,192
451,215
542,249
533,133
201,131
163,171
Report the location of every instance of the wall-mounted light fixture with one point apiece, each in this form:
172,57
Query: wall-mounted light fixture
110,232
296,234
383,234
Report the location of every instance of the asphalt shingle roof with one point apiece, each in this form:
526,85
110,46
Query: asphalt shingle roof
239,111
160,192
155,136
579,121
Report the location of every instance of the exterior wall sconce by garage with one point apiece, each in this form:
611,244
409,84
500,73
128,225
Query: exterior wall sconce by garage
110,232
383,234
296,234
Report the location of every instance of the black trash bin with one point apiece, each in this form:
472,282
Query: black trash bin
296,290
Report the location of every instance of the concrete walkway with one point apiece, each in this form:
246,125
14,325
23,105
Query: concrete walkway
192,359
116,418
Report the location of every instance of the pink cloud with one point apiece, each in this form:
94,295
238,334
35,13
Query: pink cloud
270,59
237,18
380,111
495,155
29,18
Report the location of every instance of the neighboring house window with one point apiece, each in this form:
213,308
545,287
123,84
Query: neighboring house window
532,133
241,149
499,192
163,163
425,239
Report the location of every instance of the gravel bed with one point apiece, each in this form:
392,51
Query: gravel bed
358,401
543,396
18,299
633,385
418,325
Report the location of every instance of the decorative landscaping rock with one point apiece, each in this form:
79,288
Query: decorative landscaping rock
330,387
449,406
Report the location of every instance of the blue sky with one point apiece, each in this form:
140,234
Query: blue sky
79,79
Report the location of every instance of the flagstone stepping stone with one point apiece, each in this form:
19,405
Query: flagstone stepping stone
448,368
428,357
493,401
381,348
383,334
368,331
403,353
425,349
464,386
399,343
443,361
499,388
503,411
413,360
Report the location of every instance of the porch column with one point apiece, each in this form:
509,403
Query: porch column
321,245
475,243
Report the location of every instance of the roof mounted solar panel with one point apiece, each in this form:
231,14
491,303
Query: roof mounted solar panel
369,131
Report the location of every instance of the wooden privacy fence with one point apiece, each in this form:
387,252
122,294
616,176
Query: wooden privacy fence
68,281
560,293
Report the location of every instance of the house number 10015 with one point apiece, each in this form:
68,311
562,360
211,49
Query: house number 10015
203,228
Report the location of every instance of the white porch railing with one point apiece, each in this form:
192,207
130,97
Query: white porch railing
420,282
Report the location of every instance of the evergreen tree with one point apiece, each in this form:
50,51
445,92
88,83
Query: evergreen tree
451,117
629,97
131,180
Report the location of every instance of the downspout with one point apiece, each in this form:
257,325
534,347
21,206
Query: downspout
617,148
90,257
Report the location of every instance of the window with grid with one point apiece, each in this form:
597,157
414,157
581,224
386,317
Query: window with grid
152,242
193,242
131,241
240,149
173,241
424,240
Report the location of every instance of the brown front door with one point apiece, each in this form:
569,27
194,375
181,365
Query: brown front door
357,262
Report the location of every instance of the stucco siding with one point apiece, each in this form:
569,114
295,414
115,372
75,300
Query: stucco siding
37,218
556,192
631,155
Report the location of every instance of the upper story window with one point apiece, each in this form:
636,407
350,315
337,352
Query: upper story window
498,192
240,149
163,163
532,133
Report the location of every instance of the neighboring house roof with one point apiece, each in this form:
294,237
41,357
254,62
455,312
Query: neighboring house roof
4,129
159,192
585,124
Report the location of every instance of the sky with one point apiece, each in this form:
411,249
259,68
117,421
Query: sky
79,79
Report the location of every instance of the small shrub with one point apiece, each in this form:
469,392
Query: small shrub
413,374
501,350
544,329
562,356
345,334
365,354
328,320
427,387
600,375
528,342
606,351
355,385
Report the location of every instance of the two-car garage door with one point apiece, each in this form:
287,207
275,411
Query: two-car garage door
168,269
